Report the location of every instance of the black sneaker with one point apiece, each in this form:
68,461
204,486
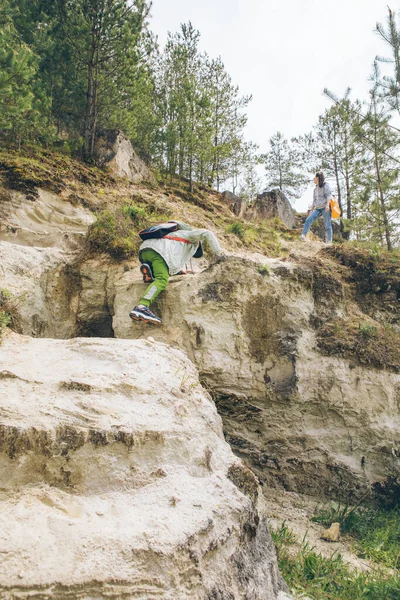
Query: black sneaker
142,313
147,273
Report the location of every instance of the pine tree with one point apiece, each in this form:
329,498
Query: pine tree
202,112
283,167
227,119
19,114
380,178
104,40
390,85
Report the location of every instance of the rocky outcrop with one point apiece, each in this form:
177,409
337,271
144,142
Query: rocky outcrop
115,151
235,203
309,422
39,240
301,418
272,204
47,221
278,346
117,481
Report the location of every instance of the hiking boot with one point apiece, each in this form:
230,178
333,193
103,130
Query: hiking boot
303,237
147,273
142,313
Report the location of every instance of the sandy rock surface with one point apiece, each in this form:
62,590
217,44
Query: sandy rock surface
117,481
39,239
45,221
309,422
114,150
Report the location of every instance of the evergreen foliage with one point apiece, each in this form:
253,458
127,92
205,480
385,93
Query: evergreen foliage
69,68
22,105
202,112
282,165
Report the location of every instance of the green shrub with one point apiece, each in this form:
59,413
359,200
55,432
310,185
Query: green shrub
367,330
8,310
236,228
5,319
264,270
137,214
114,234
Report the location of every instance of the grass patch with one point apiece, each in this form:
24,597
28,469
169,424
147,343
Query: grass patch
237,229
366,343
264,270
115,232
345,515
8,311
265,237
36,167
320,578
376,530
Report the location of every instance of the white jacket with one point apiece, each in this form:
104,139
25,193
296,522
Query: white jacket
177,254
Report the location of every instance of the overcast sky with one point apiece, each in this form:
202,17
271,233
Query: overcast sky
284,53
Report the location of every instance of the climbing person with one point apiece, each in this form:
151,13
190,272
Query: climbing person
320,206
165,256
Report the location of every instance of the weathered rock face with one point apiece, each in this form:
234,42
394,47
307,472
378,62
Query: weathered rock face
38,242
311,423
45,222
117,482
302,420
115,151
270,205
236,204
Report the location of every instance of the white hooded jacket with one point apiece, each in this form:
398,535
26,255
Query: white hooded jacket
176,254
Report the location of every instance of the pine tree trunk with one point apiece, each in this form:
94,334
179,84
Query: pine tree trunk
382,203
89,107
191,175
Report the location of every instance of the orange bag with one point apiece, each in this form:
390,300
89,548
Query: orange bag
335,209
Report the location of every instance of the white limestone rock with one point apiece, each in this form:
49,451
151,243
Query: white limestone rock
47,221
39,239
117,481
313,423
115,151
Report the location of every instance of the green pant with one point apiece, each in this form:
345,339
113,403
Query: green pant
160,273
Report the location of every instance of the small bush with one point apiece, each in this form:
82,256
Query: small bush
116,229
264,270
8,310
137,214
367,330
237,229
114,234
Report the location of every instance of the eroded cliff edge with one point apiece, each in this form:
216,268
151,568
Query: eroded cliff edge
117,481
299,353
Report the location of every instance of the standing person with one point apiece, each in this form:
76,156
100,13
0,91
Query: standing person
320,206
161,257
